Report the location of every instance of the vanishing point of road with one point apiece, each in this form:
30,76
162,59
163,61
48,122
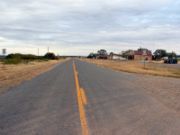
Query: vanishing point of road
79,98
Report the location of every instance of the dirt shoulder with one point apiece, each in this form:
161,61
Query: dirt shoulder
138,67
164,89
12,75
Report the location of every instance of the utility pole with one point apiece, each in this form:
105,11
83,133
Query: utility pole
48,49
38,52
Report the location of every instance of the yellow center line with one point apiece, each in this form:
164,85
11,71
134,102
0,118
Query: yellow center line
82,100
83,96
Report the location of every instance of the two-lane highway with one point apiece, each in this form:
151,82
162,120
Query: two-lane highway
78,98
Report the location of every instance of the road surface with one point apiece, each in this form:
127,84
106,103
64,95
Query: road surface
78,98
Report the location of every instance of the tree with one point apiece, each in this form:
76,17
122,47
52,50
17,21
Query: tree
50,55
102,54
171,55
159,54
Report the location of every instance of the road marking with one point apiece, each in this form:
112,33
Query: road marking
83,96
82,100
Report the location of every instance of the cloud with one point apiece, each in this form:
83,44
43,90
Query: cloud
75,26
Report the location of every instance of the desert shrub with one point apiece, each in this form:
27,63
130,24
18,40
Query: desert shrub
19,58
22,56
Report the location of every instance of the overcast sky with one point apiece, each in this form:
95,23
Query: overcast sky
77,27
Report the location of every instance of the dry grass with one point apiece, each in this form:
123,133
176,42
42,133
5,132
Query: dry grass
11,75
138,67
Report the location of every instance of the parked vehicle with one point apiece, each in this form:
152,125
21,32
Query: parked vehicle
92,56
170,60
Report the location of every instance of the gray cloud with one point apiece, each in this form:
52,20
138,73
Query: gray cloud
78,25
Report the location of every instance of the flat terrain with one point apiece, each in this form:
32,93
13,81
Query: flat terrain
11,75
150,68
80,98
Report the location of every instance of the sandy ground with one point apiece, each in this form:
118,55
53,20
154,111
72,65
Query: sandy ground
12,75
138,67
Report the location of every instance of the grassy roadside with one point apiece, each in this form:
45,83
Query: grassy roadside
138,67
18,58
12,75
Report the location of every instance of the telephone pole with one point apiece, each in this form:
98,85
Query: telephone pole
38,52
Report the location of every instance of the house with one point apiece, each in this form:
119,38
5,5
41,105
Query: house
129,54
143,54
140,54
114,56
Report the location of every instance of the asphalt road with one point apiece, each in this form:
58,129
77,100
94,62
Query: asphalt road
83,99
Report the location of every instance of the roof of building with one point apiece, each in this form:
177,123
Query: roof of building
143,51
114,54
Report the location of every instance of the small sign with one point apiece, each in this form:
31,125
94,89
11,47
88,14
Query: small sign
4,51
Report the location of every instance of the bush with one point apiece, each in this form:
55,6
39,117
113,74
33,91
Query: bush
20,58
25,58
12,61
50,56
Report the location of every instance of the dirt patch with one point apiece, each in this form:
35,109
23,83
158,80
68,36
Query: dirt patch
12,75
138,67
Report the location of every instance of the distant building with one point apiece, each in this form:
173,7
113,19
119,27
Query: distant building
140,54
129,54
114,56
143,54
